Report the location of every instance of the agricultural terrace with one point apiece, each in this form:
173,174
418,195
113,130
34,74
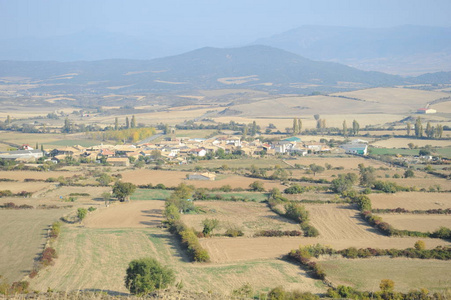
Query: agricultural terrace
248,217
411,200
174,178
23,234
414,222
408,274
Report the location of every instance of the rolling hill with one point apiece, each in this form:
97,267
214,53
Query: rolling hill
257,67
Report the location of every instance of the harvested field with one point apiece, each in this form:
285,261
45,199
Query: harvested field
225,249
96,259
174,178
411,200
366,274
21,175
134,214
66,191
17,187
426,182
347,162
340,222
423,223
23,234
250,217
403,143
397,97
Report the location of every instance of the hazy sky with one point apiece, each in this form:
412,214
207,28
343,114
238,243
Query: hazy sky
210,21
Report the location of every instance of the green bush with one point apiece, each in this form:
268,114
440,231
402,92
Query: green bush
146,275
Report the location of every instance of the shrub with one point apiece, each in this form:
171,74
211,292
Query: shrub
48,255
442,233
420,245
146,275
234,232
55,230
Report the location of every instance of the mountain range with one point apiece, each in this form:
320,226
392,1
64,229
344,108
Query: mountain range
257,67
403,50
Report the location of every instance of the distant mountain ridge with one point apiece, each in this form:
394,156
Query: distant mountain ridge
258,67
400,50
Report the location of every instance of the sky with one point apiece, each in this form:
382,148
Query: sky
210,22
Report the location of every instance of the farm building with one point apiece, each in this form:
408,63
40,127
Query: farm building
361,149
426,111
21,154
203,176
118,161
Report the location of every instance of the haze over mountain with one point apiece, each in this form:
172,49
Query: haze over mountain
405,50
258,67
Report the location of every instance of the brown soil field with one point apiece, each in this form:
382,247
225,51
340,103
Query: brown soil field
408,274
403,143
243,249
425,182
134,214
174,178
21,175
423,223
96,259
23,234
408,99
348,162
250,217
17,187
339,222
444,107
411,200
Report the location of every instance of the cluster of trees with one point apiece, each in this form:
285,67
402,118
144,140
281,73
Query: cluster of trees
430,131
124,135
179,202
353,131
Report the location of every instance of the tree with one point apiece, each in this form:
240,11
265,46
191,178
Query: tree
420,245
387,285
256,186
146,275
116,123
418,128
81,213
429,130
67,127
409,173
299,125
355,127
133,122
344,182
367,175
209,225
121,190
127,123
295,126
408,127
104,179
345,129
316,169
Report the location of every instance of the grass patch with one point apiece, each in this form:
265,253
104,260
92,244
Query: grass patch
391,151
366,274
150,194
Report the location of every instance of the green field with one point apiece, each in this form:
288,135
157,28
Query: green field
96,259
150,194
366,274
391,151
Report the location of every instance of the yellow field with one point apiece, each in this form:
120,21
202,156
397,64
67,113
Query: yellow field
411,200
366,274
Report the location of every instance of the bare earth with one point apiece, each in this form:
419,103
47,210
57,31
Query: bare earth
174,178
135,214
421,223
411,200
